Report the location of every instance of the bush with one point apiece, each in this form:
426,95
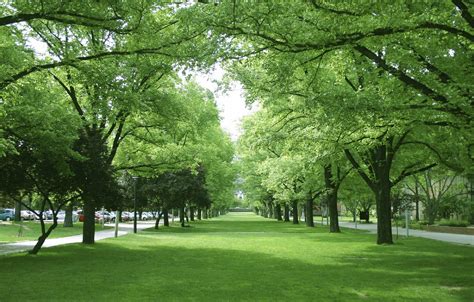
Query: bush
417,225
453,223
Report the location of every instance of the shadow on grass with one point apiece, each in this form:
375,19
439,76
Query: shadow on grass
232,226
147,271
242,261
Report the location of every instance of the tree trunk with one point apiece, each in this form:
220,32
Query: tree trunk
166,220
431,210
43,237
470,177
380,158
186,217
278,212
417,202
331,188
17,211
384,211
263,212
199,214
157,222
333,214
204,213
270,210
88,228
181,216
309,212
191,213
286,213
68,217
295,212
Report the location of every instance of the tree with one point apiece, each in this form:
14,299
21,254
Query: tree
435,190
43,132
399,70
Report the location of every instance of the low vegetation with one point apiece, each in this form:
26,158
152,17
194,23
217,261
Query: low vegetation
10,232
245,257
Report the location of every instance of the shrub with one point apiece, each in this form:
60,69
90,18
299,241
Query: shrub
453,223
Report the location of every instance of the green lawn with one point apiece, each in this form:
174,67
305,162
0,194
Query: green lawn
32,230
243,257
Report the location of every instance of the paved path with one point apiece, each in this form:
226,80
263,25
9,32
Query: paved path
23,246
453,238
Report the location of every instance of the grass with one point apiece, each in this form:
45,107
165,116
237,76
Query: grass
32,230
242,257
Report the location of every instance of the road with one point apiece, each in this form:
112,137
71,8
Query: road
453,238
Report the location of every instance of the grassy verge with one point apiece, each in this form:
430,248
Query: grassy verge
241,257
32,230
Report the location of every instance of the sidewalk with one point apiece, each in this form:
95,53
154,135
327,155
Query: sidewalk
452,238
23,246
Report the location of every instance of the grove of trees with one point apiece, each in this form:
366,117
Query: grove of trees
381,91
91,94
359,102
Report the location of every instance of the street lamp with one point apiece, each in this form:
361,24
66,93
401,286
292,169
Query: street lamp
135,204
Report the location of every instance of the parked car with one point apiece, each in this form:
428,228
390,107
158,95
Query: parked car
145,216
127,216
36,216
7,214
112,216
27,215
61,215
103,216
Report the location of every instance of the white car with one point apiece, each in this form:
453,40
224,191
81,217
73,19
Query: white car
27,215
62,215
146,216
45,215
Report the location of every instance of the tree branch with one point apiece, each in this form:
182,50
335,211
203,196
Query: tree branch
331,10
72,62
359,169
464,12
406,173
411,82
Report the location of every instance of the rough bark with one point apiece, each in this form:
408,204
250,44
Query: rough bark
295,212
68,223
166,220
88,228
331,189
384,211
286,213
380,158
44,235
309,212
278,212
181,216
17,211
417,202
157,222
270,210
